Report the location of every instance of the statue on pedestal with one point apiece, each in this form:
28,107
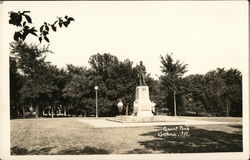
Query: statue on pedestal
141,74
142,105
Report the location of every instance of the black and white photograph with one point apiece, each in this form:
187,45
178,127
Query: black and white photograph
124,80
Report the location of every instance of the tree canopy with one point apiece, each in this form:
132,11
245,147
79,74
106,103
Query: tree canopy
43,85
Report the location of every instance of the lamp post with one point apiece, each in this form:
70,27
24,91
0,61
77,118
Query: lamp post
175,113
96,105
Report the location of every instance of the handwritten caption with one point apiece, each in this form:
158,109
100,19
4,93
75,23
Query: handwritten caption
174,131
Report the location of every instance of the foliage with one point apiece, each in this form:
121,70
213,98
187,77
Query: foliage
34,81
217,93
41,81
171,80
16,82
23,21
79,90
113,74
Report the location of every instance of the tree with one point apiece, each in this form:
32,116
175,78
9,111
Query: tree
172,74
218,93
110,76
224,91
233,97
16,82
194,94
214,92
30,62
79,90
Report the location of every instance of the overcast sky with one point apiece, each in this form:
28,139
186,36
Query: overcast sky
205,35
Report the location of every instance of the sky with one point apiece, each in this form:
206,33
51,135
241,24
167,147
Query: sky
203,34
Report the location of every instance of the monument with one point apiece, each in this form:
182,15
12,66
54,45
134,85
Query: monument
143,107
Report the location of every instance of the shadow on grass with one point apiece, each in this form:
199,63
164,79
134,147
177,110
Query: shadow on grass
85,150
23,151
199,141
139,151
46,151
235,126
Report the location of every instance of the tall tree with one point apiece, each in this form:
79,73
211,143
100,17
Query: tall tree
79,90
114,74
16,82
224,91
195,94
217,93
28,60
172,74
32,66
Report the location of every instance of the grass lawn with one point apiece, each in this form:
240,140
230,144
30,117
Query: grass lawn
69,136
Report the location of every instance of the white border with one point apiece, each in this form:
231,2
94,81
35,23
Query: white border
5,118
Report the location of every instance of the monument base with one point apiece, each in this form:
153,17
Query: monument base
143,107
150,119
144,114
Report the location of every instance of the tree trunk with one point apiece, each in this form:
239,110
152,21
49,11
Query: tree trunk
56,111
127,110
64,112
23,112
37,111
175,113
227,104
52,112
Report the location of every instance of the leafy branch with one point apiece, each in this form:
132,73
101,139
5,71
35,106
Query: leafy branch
23,21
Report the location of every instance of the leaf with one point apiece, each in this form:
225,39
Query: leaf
55,22
71,19
46,38
68,21
17,36
60,24
24,23
53,28
40,39
28,18
33,28
45,33
33,32
15,19
26,12
46,27
26,27
25,33
41,28
19,20
65,24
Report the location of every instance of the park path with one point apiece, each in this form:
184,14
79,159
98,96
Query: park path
104,123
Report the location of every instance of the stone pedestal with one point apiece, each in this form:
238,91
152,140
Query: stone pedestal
142,105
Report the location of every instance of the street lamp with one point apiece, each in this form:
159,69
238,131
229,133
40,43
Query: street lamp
96,105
